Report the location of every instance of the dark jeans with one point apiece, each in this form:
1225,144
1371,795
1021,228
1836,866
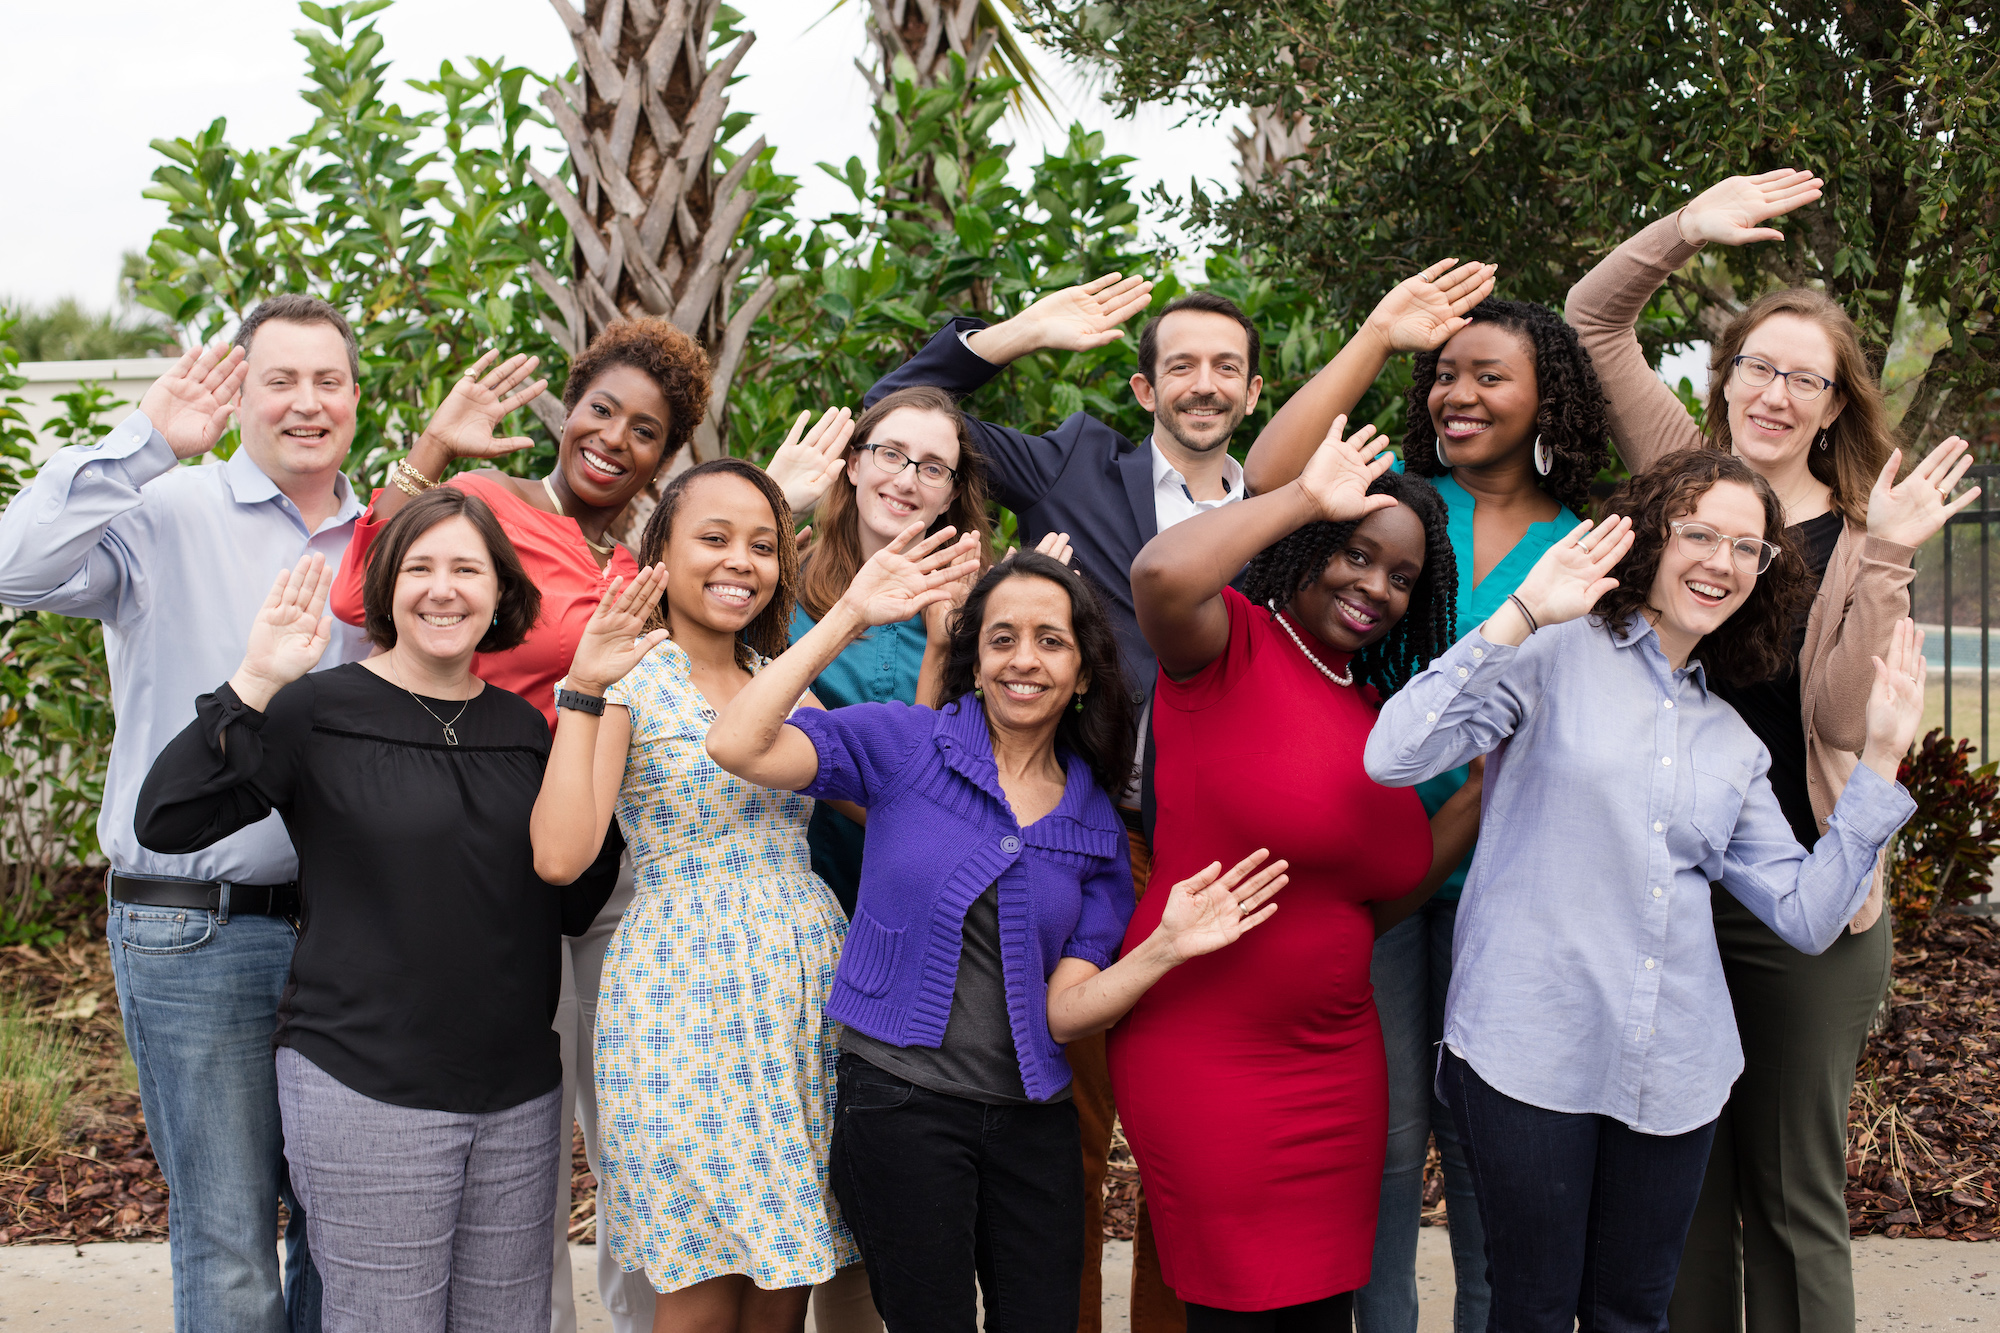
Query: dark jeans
944,1192
1585,1217
1335,1314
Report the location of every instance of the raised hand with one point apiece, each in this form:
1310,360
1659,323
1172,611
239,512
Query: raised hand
615,637
1211,909
1911,514
1078,318
1571,575
1423,310
1733,212
1896,700
909,575
463,425
289,635
191,403
1339,473
1055,545
804,468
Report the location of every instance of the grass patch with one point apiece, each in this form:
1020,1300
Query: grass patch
39,1072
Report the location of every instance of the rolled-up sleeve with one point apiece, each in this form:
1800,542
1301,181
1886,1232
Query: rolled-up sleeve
1107,910
1808,898
56,550
1464,704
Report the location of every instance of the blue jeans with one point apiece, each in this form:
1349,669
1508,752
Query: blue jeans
1586,1216
1411,972
200,1000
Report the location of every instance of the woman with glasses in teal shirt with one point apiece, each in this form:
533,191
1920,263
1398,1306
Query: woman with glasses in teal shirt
1506,419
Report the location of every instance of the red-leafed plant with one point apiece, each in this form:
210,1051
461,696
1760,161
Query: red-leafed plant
1945,854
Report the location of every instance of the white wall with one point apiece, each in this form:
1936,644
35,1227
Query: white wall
123,379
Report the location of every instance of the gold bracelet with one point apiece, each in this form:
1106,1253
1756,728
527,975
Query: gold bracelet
408,480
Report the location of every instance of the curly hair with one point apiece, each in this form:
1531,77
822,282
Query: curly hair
520,602
1860,439
1289,565
1756,642
1105,734
834,557
770,633
656,348
1572,419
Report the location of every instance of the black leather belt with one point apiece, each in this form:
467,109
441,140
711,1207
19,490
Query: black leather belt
225,900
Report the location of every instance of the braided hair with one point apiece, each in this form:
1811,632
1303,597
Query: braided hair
1572,420
1289,565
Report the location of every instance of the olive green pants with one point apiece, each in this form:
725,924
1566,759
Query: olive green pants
1768,1250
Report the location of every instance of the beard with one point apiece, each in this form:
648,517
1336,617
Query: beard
1168,421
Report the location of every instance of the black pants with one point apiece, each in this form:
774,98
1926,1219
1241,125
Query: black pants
956,1203
1585,1217
1335,1314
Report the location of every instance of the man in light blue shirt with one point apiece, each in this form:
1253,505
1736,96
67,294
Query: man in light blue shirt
175,561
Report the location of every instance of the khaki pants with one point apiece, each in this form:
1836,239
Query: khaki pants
1155,1308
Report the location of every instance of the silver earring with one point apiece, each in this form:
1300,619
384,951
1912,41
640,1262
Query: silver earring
1545,457
1825,440
1443,462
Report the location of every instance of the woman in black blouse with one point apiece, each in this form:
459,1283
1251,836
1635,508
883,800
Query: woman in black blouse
418,1075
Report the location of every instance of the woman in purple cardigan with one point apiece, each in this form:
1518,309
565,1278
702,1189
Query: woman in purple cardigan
994,895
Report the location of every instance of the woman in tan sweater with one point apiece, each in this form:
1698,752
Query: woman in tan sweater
1792,394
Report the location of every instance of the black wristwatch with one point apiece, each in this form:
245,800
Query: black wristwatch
580,703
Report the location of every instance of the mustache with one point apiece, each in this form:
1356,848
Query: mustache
1202,400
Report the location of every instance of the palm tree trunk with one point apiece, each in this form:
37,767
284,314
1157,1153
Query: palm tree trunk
653,220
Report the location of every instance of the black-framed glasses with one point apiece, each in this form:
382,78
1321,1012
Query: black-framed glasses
1801,384
893,460
1698,542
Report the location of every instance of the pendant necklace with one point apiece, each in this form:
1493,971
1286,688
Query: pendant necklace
450,736
1324,669
606,551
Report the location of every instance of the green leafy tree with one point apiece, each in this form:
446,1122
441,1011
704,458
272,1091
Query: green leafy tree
66,331
1540,136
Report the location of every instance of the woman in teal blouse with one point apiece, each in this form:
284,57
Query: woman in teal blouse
1507,420
912,459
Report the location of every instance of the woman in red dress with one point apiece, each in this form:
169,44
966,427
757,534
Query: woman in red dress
1251,1082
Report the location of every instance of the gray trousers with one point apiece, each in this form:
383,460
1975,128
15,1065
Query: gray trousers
421,1221
627,1297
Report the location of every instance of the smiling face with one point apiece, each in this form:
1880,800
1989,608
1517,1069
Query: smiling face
1365,589
1030,666
1692,598
721,554
614,438
1486,398
885,504
1203,384
298,400
446,594
1767,426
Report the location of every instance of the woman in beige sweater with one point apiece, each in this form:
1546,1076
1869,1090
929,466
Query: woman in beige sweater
1792,394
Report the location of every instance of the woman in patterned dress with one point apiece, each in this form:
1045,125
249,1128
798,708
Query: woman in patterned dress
714,1057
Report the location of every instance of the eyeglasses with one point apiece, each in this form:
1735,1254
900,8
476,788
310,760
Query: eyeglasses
1698,542
893,460
1801,384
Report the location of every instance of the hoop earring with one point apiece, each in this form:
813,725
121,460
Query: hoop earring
1825,440
1443,462
1545,457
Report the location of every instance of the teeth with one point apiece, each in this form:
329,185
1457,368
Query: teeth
442,622
1709,590
729,592
1022,687
1357,613
602,466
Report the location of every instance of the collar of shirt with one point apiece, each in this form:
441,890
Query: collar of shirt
1171,500
249,484
1637,629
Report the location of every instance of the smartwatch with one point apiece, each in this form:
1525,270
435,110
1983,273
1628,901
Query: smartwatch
580,703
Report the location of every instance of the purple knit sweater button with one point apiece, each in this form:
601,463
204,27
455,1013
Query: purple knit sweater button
1010,845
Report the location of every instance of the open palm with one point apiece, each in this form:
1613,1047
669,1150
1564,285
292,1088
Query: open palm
908,575
615,637
804,468
1571,575
1339,473
1423,310
1734,211
1912,512
290,633
1079,318
1212,909
479,401
191,403
1896,699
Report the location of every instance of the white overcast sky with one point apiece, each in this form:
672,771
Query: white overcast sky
86,84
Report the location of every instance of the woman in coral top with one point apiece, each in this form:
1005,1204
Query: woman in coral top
1251,1081
633,401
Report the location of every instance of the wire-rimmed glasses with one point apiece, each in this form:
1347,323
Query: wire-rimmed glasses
1801,384
1698,541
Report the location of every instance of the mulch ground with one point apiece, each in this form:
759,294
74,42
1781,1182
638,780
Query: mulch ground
1924,1123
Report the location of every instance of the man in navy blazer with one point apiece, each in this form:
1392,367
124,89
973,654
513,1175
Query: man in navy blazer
1197,375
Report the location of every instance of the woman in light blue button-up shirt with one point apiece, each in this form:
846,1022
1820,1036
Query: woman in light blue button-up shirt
1589,1038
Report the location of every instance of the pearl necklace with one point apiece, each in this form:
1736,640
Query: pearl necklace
1324,669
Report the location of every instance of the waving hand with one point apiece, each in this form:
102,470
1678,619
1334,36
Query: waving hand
1571,575
1423,310
289,635
613,641
1339,473
902,579
1733,212
1911,514
479,401
191,403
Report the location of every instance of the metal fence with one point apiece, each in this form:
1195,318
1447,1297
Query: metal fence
1975,523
